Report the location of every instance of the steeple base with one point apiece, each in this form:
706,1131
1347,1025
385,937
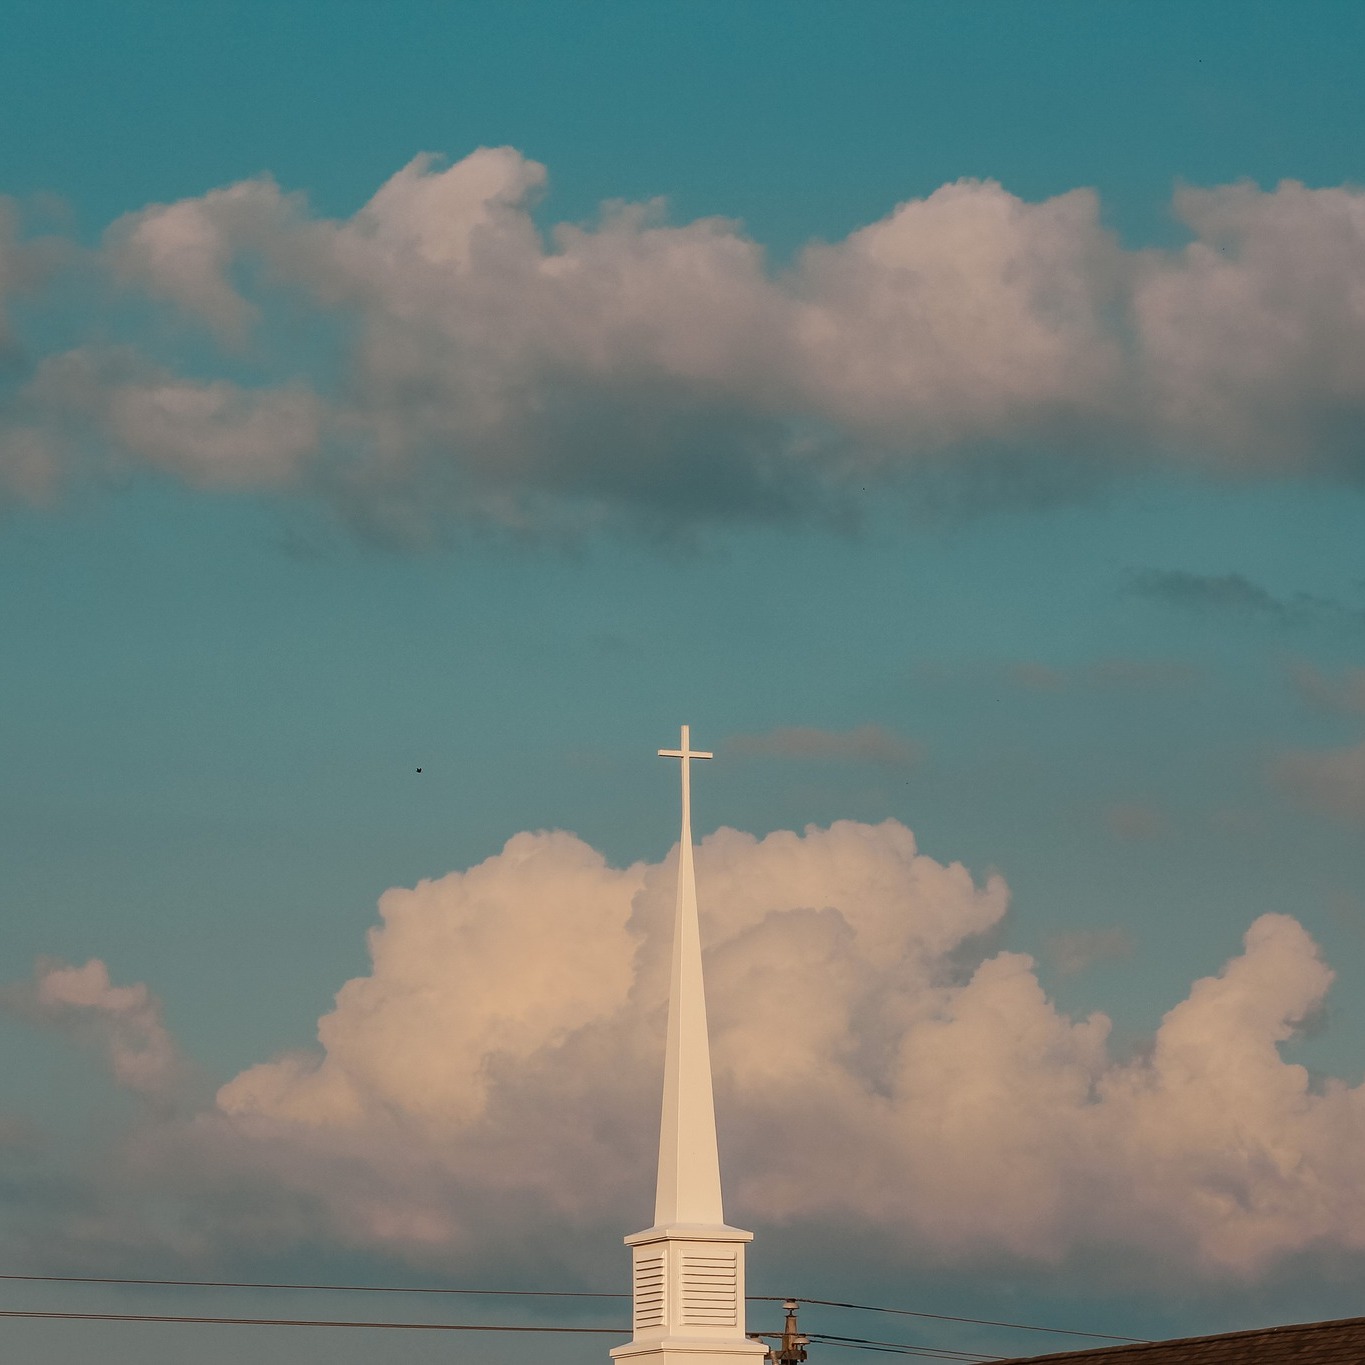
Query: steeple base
688,1281
690,1351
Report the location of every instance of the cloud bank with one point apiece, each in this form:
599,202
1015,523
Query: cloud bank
880,1065
465,365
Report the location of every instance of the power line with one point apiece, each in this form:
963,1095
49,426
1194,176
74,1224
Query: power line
899,1348
331,1288
945,1317
885,1350
302,1322
542,1294
902,1348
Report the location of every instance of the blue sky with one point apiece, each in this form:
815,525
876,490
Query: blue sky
1026,515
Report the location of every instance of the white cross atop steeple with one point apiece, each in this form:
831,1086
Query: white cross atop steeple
685,752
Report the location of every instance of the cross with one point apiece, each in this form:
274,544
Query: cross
685,752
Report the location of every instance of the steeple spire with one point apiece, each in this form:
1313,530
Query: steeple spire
688,1190
688,1269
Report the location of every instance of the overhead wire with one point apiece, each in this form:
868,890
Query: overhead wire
330,1288
946,1317
885,1350
903,1347
898,1348
521,1293
301,1322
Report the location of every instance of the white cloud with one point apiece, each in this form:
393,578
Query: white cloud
1251,338
642,363
666,372
878,1065
961,316
184,252
124,1023
494,963
212,434
488,1092
217,433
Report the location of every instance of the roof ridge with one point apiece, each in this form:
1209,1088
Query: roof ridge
1139,1347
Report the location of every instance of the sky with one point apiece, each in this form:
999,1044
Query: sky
411,414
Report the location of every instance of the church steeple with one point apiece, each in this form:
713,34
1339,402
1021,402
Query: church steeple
688,1269
689,1166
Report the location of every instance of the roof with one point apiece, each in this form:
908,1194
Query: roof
1302,1343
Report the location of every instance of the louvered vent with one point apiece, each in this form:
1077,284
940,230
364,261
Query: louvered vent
709,1291
649,1291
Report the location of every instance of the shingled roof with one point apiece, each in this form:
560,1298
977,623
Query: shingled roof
1301,1343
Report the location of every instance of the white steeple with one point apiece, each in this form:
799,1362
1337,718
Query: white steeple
688,1269
689,1167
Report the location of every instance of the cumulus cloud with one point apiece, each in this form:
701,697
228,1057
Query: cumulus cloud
1251,337
185,252
496,1075
483,995
661,367
862,744
112,409
962,315
215,433
124,1023
1327,780
666,372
